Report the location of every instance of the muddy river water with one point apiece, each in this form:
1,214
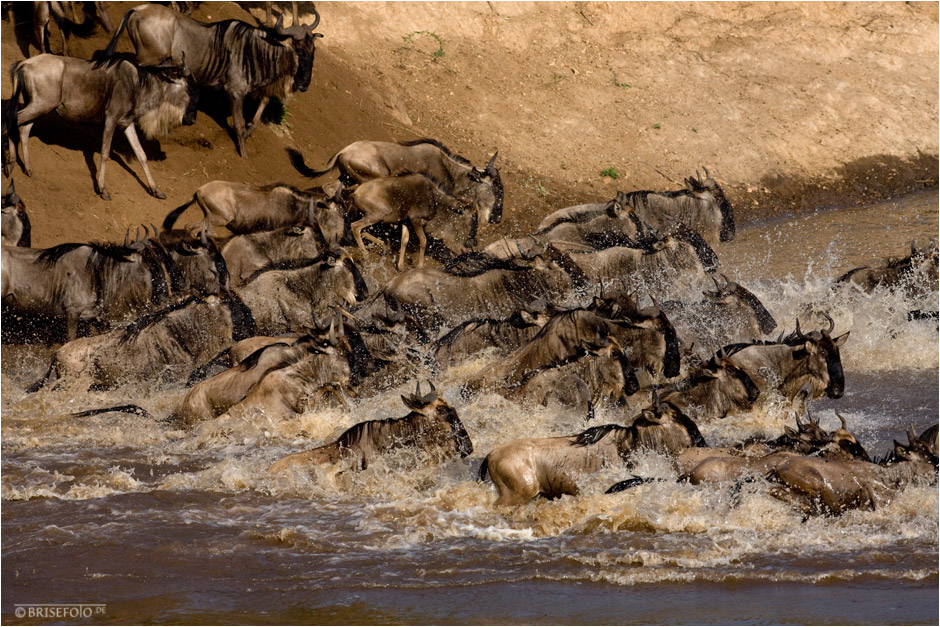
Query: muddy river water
163,526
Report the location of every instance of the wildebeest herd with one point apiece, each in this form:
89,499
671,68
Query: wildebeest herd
262,307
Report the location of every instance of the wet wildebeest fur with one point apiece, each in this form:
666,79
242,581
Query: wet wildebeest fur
551,467
246,254
916,273
240,59
115,92
793,361
824,486
287,296
432,427
164,345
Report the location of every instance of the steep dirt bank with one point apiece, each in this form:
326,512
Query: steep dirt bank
791,106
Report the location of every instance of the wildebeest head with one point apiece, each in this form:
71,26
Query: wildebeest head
200,260
721,368
433,407
16,225
346,275
661,427
303,40
821,352
487,192
731,293
709,189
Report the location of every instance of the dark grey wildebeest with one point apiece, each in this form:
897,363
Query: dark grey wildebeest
287,296
244,208
432,427
366,160
246,254
233,56
701,206
551,467
17,230
115,92
915,273
163,345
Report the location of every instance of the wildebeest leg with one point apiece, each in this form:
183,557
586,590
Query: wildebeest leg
131,133
258,112
109,126
101,9
405,236
238,118
356,228
422,241
24,147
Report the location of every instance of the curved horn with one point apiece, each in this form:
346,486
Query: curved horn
127,237
202,238
156,231
431,396
799,334
842,420
316,21
146,234
832,325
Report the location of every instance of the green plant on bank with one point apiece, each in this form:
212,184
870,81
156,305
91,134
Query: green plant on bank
410,39
611,172
531,183
616,81
277,113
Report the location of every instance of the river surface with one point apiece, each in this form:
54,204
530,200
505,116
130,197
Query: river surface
163,526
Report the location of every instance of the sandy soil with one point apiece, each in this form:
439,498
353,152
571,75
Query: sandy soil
791,106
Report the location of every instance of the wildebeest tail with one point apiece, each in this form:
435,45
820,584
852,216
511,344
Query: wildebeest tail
109,51
484,468
126,409
10,109
41,383
174,215
626,484
297,160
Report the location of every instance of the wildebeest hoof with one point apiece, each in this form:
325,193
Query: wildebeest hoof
104,195
156,193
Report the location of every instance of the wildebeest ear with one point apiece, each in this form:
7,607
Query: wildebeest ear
839,341
690,184
412,403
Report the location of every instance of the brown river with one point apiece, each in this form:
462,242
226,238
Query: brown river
154,525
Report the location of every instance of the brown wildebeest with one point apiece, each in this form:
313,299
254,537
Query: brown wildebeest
116,92
432,426
824,486
551,467
231,55
922,264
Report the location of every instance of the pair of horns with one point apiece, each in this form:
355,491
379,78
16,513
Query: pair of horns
297,30
426,399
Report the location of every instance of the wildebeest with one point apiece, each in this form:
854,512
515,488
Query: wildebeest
552,467
712,390
240,59
245,254
432,427
502,336
166,344
275,380
365,160
921,266
433,299
793,361
116,92
80,283
243,208
418,199
17,230
824,486
702,206
69,17
729,314
288,295
679,258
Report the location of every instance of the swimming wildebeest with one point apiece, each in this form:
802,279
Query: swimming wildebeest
244,208
832,486
232,56
17,230
246,254
551,467
116,92
712,390
418,199
433,427
921,266
701,206
792,361
729,314
366,160
166,344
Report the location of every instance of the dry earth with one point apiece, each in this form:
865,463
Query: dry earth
791,106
